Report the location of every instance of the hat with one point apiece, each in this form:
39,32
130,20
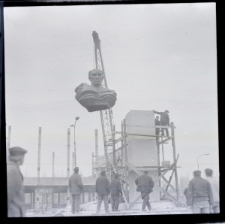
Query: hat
208,171
197,172
17,151
167,111
117,175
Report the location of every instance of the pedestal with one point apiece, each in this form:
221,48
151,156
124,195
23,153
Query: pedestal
142,150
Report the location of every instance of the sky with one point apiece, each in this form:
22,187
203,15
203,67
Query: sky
156,57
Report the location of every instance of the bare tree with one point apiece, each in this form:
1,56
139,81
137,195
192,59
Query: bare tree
46,191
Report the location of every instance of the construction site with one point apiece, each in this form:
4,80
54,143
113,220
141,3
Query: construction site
121,93
129,150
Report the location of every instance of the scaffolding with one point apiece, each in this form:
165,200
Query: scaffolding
119,163
115,159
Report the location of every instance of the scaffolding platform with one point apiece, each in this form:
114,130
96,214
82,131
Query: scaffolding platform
116,160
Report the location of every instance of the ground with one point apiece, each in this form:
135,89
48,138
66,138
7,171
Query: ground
67,212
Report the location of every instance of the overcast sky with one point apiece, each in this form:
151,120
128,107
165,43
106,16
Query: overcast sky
156,57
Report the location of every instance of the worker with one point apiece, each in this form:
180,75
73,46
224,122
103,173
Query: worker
15,192
76,188
157,123
164,120
215,189
200,195
145,185
116,191
103,190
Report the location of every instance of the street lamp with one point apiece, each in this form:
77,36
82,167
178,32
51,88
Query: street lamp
200,156
76,118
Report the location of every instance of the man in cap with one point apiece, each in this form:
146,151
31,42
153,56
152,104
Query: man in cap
15,192
164,120
116,191
145,185
76,188
103,190
215,189
200,195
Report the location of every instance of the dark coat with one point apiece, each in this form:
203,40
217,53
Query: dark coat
102,185
157,122
115,187
164,118
15,192
144,183
199,189
75,184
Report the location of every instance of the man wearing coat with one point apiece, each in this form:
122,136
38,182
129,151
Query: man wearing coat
200,195
15,192
103,190
215,189
116,191
144,185
76,188
164,120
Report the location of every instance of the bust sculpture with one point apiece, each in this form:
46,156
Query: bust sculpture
95,97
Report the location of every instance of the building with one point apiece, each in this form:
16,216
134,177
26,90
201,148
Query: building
53,191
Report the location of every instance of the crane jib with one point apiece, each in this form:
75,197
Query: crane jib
105,115
96,39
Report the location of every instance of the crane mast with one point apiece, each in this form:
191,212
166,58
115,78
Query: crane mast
105,115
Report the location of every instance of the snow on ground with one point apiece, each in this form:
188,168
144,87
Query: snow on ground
67,212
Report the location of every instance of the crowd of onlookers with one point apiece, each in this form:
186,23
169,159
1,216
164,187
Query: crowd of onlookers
15,192
104,189
202,194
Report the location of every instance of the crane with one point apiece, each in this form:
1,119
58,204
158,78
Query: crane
105,115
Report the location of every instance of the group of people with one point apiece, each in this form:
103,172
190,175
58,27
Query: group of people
163,121
15,191
104,188
202,194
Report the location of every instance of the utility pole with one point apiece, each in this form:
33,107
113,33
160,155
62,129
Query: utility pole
75,153
200,156
93,164
96,151
68,164
73,160
53,158
39,163
174,159
53,175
